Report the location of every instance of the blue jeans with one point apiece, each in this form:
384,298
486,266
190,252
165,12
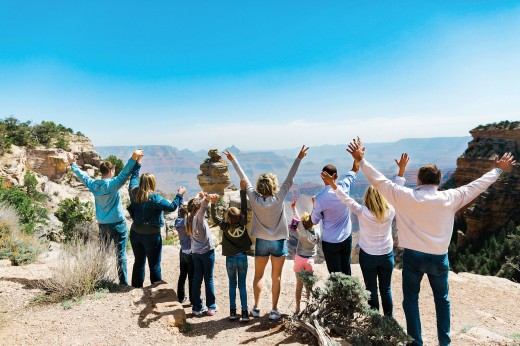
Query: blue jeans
117,233
146,246
237,266
437,267
337,255
203,265
374,268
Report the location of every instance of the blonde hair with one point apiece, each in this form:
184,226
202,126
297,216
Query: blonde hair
306,221
233,215
376,203
146,187
193,208
267,184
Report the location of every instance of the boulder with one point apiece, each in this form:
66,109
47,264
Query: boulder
215,175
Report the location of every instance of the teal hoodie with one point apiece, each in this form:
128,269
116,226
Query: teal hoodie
106,193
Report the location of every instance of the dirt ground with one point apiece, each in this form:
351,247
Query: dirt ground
485,311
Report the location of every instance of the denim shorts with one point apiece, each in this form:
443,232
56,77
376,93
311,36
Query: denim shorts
275,248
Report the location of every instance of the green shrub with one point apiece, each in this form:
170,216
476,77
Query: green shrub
24,134
341,309
118,163
72,212
62,142
29,211
19,248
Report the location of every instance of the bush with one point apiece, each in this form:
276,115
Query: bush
118,163
30,213
19,248
82,269
72,212
24,134
62,142
341,309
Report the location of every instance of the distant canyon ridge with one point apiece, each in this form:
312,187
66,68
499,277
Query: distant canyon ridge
173,167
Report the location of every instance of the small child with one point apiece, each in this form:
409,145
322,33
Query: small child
185,258
203,254
306,249
235,243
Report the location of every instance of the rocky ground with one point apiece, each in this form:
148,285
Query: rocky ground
485,311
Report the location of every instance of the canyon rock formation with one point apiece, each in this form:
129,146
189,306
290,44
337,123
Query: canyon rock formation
500,203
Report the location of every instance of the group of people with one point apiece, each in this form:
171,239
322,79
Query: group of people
424,218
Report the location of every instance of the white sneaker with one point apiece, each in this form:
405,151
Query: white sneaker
255,312
275,315
199,313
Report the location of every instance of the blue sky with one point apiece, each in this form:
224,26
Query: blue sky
269,74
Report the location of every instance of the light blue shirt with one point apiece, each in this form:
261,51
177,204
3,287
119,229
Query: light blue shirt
106,193
335,216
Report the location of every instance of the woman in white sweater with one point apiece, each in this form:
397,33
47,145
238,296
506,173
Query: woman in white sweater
376,255
269,226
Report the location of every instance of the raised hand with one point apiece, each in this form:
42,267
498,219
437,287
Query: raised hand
137,154
213,198
229,156
506,162
303,152
356,149
71,158
327,178
243,184
181,190
403,161
293,203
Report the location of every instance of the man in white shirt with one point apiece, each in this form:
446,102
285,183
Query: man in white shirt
425,218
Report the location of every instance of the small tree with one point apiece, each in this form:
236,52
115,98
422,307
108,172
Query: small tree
30,183
118,163
72,212
341,309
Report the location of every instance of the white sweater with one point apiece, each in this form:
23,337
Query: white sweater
424,215
375,238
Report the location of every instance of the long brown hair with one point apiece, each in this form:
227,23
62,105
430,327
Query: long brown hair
193,208
146,187
376,203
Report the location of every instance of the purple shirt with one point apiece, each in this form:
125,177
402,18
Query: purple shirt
336,225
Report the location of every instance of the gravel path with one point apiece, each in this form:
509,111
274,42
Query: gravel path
483,308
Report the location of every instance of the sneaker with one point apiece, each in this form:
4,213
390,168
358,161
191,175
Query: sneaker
183,300
255,312
199,313
275,315
245,316
233,314
212,312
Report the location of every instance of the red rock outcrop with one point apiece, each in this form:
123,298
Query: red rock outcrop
500,203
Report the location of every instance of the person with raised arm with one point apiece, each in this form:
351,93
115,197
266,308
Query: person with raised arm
109,210
146,209
425,218
235,244
269,226
336,229
376,254
306,249
203,253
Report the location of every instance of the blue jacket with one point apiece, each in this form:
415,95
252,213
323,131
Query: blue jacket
106,193
151,211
